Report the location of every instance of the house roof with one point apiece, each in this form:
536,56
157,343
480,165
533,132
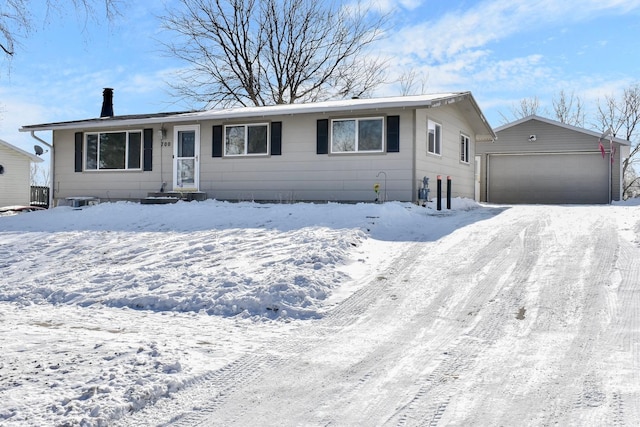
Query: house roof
20,151
562,125
479,122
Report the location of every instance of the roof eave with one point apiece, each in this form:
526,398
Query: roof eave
246,112
31,157
483,130
562,125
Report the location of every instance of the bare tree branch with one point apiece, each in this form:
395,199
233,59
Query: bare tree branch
17,20
525,108
568,109
621,116
263,52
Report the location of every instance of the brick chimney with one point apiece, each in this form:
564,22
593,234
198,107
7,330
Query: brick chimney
107,102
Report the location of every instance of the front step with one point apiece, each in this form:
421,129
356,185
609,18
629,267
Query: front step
173,197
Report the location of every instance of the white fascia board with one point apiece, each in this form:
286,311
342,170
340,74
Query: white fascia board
254,112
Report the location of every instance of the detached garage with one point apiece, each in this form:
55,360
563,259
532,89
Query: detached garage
540,161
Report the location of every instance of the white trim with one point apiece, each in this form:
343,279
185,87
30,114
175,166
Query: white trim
438,143
468,138
196,148
126,154
246,139
326,107
357,136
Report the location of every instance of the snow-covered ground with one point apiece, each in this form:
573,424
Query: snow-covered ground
217,313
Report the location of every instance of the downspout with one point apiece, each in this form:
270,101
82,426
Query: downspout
51,166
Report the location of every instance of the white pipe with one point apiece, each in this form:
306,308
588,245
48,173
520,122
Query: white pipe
51,166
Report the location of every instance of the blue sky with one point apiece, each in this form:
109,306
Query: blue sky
501,51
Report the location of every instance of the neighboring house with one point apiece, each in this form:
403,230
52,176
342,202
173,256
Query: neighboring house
15,175
325,151
542,161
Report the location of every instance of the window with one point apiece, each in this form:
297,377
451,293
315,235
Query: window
246,140
113,150
464,148
434,137
356,135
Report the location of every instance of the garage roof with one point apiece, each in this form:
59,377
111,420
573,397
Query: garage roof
563,125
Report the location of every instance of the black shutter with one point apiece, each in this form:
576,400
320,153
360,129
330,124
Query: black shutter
78,158
322,137
393,134
216,148
276,138
148,150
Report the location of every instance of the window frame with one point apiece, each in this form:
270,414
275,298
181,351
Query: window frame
356,121
465,148
437,144
127,150
246,126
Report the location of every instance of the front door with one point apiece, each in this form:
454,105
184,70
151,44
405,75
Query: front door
186,152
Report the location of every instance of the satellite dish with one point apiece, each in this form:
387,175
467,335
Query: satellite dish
38,150
1,169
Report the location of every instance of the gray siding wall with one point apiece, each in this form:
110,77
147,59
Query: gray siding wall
549,139
298,174
453,124
15,182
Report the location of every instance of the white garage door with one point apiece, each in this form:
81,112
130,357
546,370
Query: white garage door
556,178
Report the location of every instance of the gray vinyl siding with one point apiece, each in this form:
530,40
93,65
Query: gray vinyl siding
107,185
15,182
550,139
299,174
448,163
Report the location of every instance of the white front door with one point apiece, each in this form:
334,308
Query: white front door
186,153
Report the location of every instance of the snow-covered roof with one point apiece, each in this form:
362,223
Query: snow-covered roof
562,125
20,151
418,101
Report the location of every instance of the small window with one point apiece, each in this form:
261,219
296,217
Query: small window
434,137
464,148
113,150
246,140
357,135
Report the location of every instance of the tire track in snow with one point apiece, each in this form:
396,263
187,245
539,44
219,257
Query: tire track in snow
583,373
492,299
356,313
625,334
203,395
334,372
566,385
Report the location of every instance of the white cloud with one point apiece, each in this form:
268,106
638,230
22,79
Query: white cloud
465,49
387,6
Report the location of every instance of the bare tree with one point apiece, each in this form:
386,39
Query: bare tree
525,108
409,81
39,175
621,116
568,109
263,52
17,19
